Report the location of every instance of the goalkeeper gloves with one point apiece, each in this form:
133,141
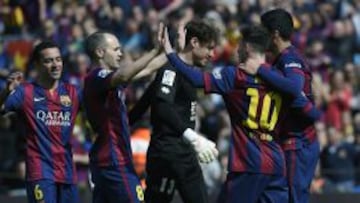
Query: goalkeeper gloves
205,149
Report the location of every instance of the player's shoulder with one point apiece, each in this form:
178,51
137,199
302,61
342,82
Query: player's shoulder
167,73
167,67
98,73
291,54
25,85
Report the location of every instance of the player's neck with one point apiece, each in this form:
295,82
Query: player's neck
102,65
282,45
187,57
48,84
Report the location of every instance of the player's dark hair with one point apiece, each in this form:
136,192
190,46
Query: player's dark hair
201,30
280,20
257,36
41,46
93,42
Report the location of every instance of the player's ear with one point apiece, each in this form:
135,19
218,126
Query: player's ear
248,48
194,41
99,52
276,34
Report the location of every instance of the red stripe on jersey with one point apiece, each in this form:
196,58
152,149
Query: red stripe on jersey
239,152
267,164
33,157
126,183
117,133
207,82
104,152
75,109
310,133
298,71
57,148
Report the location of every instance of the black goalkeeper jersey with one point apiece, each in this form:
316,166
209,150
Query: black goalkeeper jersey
173,109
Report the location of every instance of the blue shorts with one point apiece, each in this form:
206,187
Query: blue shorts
254,188
113,185
301,164
51,192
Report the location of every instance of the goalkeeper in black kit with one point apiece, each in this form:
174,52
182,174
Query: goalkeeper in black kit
175,149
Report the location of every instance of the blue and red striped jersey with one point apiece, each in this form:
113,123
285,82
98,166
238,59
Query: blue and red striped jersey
107,114
255,111
296,129
49,118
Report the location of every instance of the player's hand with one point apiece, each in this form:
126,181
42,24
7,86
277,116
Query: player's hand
204,148
159,37
181,36
14,80
251,66
207,151
166,42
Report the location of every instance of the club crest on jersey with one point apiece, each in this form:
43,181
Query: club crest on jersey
293,65
65,100
168,78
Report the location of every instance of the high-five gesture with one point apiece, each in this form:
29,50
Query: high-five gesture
165,42
181,36
160,36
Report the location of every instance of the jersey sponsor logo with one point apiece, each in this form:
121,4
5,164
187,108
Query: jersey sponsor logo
165,90
168,78
293,65
37,99
54,118
103,73
65,100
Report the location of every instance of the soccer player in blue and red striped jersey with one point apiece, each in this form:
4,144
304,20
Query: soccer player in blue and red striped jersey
48,108
111,163
256,161
298,137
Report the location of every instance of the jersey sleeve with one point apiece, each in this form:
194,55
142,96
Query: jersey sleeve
102,80
306,107
194,76
220,80
15,99
290,83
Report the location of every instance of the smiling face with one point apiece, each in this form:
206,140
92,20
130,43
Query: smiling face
50,63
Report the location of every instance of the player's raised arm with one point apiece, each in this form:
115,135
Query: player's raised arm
290,83
156,63
13,81
195,76
105,51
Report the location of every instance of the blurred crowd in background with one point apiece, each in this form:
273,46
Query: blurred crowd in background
327,33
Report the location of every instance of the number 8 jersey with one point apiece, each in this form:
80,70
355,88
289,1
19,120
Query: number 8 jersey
255,112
